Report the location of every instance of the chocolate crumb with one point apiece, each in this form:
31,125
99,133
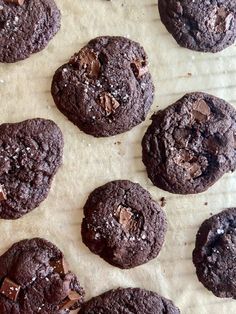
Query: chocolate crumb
206,203
108,103
163,201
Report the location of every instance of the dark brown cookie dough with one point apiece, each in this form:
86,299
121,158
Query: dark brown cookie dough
123,224
106,88
130,301
26,27
215,254
34,278
201,25
191,144
30,154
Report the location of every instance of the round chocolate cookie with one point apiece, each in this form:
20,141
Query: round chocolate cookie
191,144
106,88
123,224
30,154
215,254
130,301
201,25
34,278
26,27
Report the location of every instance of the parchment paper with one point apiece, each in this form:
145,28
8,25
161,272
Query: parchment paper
90,162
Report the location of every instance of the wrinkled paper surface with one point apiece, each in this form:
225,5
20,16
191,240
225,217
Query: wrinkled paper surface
90,162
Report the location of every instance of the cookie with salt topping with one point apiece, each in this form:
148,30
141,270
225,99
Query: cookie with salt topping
215,253
106,88
26,27
123,224
208,26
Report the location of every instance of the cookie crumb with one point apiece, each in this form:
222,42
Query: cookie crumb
163,201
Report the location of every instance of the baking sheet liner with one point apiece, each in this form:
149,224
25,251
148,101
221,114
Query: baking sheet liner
90,162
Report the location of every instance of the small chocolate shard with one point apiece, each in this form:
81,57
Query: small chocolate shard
201,111
59,266
139,68
3,196
19,2
88,60
72,299
108,103
10,289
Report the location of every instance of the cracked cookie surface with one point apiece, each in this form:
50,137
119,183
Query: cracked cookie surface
129,300
106,88
26,28
34,278
191,144
215,253
30,154
208,26
123,225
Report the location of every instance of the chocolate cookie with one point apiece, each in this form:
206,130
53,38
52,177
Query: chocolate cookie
215,254
201,25
26,27
123,224
130,300
34,278
106,88
30,154
191,144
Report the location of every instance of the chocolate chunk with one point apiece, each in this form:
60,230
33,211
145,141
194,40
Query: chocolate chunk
222,20
88,60
139,68
3,196
10,289
101,75
123,224
108,103
59,266
195,170
192,165
70,301
125,217
182,136
20,2
211,145
201,110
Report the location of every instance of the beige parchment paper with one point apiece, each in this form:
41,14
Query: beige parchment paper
90,162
